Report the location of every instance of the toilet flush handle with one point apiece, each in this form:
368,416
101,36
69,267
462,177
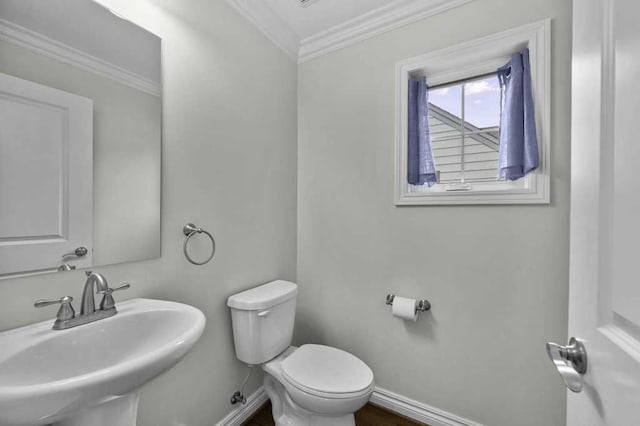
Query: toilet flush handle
263,313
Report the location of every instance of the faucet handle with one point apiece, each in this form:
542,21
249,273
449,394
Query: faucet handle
65,312
109,290
107,301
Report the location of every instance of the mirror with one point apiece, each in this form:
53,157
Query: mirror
80,137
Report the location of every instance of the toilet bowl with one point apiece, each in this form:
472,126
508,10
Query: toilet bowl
313,385
317,385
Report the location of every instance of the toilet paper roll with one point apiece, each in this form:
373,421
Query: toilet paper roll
404,308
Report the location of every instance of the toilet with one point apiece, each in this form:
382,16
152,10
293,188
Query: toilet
312,385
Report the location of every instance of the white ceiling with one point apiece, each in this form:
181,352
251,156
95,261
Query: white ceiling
322,26
320,14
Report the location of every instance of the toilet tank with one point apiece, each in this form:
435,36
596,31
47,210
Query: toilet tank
262,319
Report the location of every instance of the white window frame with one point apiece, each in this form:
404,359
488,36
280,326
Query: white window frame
466,60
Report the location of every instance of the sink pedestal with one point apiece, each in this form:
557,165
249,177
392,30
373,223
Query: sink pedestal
120,411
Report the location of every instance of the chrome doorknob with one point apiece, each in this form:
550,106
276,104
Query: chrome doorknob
570,361
66,267
79,252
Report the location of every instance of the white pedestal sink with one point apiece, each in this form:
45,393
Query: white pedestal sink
90,375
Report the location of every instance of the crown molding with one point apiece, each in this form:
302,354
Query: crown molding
386,18
39,43
270,24
389,17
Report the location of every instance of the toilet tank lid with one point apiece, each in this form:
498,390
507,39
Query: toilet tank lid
264,296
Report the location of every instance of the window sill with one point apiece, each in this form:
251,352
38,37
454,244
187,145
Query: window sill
523,191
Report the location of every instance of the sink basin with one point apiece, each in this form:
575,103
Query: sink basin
91,374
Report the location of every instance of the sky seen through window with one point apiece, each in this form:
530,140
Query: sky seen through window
481,101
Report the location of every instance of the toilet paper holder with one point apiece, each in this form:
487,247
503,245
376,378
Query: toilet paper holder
421,304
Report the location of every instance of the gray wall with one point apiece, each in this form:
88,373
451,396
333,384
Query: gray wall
229,165
497,275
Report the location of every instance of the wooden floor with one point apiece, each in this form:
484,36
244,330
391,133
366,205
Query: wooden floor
369,415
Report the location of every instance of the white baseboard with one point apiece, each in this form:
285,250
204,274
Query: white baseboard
243,412
386,399
417,410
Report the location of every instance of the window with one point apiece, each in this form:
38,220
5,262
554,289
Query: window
464,120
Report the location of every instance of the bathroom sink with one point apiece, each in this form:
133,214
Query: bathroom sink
91,374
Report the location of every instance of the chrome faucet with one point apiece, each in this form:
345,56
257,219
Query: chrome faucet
88,304
66,317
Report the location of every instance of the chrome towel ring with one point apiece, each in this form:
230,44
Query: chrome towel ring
189,231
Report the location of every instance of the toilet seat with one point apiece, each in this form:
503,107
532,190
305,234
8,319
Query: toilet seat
327,372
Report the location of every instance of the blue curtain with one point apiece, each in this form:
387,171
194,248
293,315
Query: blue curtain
518,139
420,157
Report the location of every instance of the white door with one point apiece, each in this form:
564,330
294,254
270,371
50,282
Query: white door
46,164
604,301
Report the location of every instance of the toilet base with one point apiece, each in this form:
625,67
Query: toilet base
288,413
